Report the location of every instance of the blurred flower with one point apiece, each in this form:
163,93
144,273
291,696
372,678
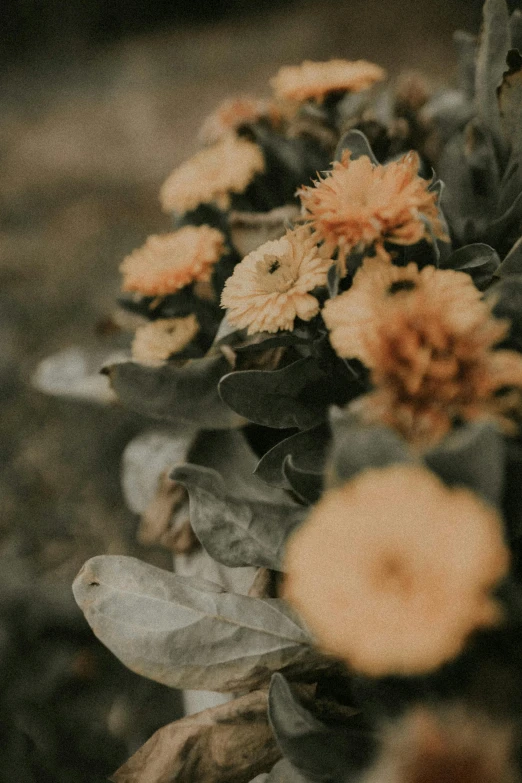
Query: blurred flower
316,80
168,262
392,570
359,205
228,166
234,112
158,340
269,288
427,336
449,743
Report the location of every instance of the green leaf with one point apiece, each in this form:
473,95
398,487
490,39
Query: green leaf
291,397
356,448
473,457
495,41
186,395
481,262
358,144
512,264
224,744
185,632
303,738
466,46
306,484
307,449
236,532
283,772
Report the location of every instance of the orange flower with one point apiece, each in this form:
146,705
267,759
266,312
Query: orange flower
212,174
392,571
168,262
359,205
445,743
428,337
234,112
269,288
316,80
158,340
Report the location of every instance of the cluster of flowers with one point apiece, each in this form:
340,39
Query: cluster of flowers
364,329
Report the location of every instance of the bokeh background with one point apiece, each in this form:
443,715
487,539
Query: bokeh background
99,100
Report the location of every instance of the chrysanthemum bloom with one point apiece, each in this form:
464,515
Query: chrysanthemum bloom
427,337
359,205
212,174
448,743
270,287
169,262
317,80
392,571
233,113
158,340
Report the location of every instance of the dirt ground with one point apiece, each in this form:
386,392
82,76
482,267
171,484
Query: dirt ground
85,143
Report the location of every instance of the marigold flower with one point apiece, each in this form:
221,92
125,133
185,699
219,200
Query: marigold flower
158,340
269,288
445,743
228,166
360,205
168,262
234,112
316,80
392,570
427,337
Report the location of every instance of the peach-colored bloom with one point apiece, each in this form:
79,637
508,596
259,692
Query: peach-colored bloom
212,174
431,744
158,340
169,262
316,80
427,337
234,112
359,205
392,571
270,287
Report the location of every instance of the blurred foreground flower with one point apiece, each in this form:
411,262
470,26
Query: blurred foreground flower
317,80
228,166
157,340
169,262
392,570
359,205
427,337
270,287
234,112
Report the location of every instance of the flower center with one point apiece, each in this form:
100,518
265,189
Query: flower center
277,273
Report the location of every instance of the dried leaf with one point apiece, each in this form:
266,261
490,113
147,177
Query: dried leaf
224,744
474,457
291,397
495,41
235,531
156,518
186,396
186,632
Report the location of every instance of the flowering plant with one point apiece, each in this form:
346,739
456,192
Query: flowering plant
336,358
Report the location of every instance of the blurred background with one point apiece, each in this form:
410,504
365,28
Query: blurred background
99,100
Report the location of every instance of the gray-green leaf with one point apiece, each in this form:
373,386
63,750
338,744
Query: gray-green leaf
495,41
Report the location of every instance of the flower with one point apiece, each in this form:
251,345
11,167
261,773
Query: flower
445,743
158,340
316,80
359,205
228,166
168,262
392,570
269,288
234,112
427,337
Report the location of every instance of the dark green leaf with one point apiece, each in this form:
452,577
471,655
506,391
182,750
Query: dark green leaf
512,500
233,531
291,397
186,395
185,632
307,449
507,295
474,457
480,261
512,264
307,484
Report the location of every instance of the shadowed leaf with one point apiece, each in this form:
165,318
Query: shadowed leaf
479,261
512,263
307,449
234,531
307,484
